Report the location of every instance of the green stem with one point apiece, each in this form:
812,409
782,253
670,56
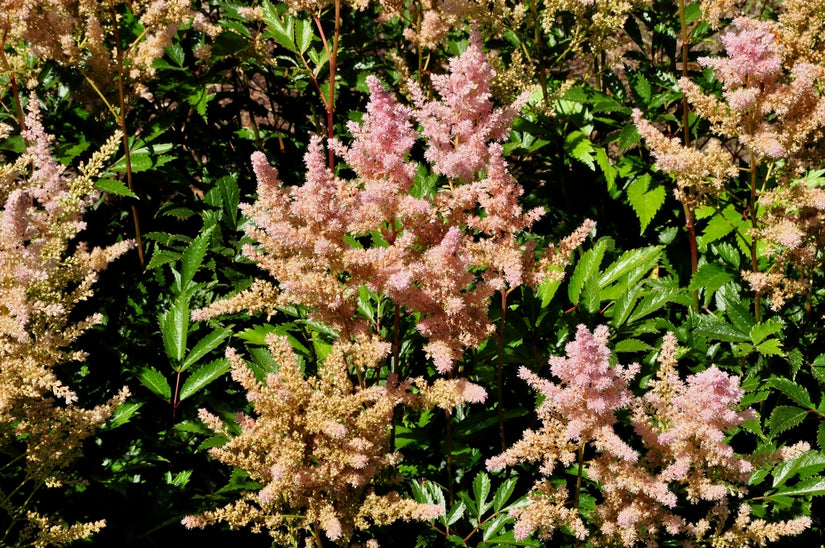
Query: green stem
500,367
579,477
121,119
757,311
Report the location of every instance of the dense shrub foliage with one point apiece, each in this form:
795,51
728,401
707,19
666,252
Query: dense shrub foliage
412,273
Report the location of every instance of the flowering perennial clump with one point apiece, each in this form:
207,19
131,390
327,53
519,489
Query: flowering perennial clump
680,424
321,445
771,117
317,446
42,281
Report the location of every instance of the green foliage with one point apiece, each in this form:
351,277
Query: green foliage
574,150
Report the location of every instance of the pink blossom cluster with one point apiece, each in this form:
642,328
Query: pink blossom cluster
680,448
441,256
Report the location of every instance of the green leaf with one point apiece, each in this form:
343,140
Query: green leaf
180,479
174,327
123,414
631,345
503,493
586,268
792,390
624,306
628,136
590,296
641,86
719,226
661,294
771,347
231,193
818,369
494,526
162,257
765,329
820,436
303,34
577,145
193,257
547,289
113,186
785,417
282,31
205,345
481,490
717,329
710,277
155,381
644,201
813,487
144,158
204,375
455,513
807,464
610,172
218,440
646,257
176,54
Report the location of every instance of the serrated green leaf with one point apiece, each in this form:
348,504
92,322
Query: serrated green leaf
785,417
231,193
503,493
719,226
162,257
123,414
577,145
631,345
765,329
729,254
204,375
547,289
193,257
717,329
771,347
155,381
205,345
218,440
481,490
494,526
813,487
658,297
805,465
641,86
303,34
590,298
645,257
280,30
192,427
729,300
113,186
455,513
628,136
710,277
610,172
820,435
794,391
586,268
644,201
624,306
174,327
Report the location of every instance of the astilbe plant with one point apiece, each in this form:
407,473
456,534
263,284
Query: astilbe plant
771,118
44,277
679,454
321,445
